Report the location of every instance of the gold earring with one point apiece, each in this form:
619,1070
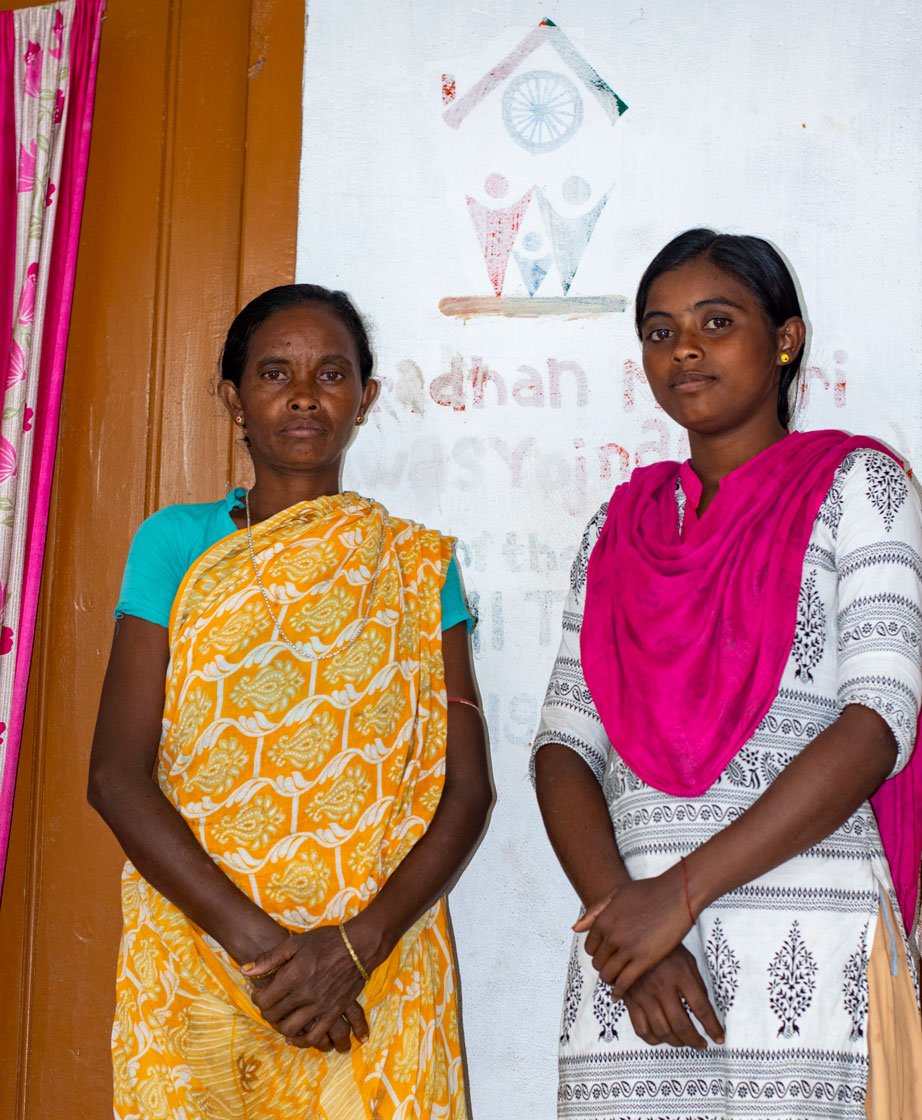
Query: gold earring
785,358
359,420
240,420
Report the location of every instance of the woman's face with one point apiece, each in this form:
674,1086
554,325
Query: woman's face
300,392
710,354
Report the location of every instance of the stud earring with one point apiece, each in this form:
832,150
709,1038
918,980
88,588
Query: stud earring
239,420
359,420
785,358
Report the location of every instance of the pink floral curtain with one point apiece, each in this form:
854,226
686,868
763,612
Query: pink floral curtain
48,60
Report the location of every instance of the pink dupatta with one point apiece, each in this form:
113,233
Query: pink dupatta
684,640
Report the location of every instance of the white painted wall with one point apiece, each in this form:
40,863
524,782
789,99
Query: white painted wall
796,121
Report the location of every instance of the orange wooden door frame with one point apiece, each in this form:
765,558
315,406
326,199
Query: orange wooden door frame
191,209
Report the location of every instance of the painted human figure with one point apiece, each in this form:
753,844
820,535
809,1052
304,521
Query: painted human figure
570,236
497,228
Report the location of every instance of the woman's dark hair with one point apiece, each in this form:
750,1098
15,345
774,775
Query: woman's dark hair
263,307
755,264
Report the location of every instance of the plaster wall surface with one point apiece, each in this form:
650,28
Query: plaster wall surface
799,123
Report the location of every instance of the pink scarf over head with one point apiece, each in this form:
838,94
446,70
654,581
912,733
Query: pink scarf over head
685,638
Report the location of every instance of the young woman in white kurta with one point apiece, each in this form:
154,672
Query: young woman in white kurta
779,962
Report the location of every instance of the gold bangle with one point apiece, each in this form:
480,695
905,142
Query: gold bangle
352,953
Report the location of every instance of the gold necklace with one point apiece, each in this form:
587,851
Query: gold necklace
301,649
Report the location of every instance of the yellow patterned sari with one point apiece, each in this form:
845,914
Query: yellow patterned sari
307,775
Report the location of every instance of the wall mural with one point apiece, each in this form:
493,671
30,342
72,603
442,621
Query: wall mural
489,189
542,110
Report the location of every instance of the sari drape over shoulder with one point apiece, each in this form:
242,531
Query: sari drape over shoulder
307,774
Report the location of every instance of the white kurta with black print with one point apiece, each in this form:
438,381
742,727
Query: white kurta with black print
785,956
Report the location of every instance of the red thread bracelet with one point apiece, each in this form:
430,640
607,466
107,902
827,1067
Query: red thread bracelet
464,700
688,904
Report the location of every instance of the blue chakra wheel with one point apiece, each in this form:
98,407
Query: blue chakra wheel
542,110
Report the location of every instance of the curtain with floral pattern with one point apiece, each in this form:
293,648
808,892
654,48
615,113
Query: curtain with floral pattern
48,58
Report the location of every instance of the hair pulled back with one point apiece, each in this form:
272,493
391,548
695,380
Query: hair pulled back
753,262
264,306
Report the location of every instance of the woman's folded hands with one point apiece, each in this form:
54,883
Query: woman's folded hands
634,937
306,987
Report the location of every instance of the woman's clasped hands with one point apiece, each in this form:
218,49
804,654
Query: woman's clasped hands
307,988
634,937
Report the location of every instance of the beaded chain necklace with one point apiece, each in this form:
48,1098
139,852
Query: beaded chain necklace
300,649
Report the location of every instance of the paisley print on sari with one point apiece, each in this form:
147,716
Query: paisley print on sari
307,777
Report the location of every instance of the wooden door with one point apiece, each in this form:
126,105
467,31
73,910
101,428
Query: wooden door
191,209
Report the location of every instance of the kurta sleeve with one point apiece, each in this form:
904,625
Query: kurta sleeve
878,557
569,715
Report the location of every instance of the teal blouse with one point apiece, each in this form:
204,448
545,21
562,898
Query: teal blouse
169,542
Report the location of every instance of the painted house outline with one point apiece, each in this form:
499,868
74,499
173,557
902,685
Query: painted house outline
546,32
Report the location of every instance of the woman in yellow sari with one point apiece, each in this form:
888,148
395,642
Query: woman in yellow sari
298,797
